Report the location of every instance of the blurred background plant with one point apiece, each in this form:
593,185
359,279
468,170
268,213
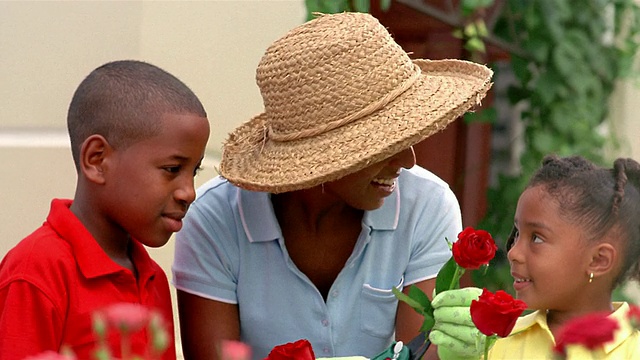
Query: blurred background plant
116,324
566,61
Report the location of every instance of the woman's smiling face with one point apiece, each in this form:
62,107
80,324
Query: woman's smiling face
366,189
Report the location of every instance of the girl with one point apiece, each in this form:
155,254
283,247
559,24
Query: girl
576,237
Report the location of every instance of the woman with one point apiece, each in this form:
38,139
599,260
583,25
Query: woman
320,209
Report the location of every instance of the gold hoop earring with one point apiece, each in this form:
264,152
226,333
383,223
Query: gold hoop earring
590,278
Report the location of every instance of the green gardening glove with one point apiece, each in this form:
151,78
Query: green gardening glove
454,332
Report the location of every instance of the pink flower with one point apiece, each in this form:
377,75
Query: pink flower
50,355
234,350
590,331
127,317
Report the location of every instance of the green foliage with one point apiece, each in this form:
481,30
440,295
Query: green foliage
449,276
575,55
419,302
338,6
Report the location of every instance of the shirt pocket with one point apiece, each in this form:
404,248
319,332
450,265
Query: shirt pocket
378,310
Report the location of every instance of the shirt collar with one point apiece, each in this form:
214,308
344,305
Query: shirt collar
257,216
260,223
620,314
625,330
92,260
537,317
387,216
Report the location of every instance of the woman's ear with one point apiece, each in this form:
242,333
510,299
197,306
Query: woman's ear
603,259
93,153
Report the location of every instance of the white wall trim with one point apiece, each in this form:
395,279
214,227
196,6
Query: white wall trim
34,138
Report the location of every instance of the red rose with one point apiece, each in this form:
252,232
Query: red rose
299,350
591,331
474,248
496,313
634,316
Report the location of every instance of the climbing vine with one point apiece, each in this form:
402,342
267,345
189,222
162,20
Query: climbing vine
572,58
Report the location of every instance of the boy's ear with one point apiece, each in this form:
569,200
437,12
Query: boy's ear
93,154
603,259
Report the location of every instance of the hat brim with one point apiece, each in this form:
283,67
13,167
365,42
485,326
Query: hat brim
445,90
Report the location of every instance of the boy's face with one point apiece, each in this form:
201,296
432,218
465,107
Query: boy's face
149,184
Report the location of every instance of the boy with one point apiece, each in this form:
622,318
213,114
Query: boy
138,136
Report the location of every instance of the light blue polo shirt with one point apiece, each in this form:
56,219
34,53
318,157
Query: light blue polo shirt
231,250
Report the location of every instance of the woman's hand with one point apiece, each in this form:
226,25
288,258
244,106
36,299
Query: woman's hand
454,332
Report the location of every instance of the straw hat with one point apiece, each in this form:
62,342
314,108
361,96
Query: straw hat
339,95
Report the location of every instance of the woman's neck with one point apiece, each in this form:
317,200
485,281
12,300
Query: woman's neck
315,210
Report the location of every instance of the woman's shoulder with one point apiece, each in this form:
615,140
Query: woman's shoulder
420,180
424,189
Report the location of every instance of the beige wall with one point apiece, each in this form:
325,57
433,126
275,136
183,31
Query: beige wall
626,124
46,49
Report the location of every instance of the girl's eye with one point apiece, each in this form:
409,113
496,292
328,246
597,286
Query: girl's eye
536,239
515,236
172,169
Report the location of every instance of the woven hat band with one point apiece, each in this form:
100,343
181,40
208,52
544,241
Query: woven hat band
367,110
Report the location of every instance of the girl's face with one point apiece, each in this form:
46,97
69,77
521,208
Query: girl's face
367,188
549,258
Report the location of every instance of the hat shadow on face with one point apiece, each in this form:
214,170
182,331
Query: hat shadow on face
340,94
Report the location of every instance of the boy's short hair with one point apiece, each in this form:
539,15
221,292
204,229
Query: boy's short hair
123,100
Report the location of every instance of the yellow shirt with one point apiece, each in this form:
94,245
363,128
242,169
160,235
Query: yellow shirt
532,339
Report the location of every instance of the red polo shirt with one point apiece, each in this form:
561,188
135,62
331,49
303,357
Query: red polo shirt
55,278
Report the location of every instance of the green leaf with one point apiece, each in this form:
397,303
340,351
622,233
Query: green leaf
326,6
428,323
538,48
521,69
475,44
546,86
488,116
419,296
485,3
312,7
470,6
544,143
362,5
516,94
445,275
470,30
385,5
482,28
416,305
